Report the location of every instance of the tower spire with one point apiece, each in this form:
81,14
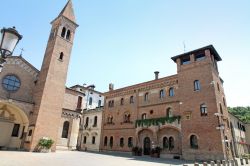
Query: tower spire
68,11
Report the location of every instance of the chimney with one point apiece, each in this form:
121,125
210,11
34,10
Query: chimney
111,87
157,75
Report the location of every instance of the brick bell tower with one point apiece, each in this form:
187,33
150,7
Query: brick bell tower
50,87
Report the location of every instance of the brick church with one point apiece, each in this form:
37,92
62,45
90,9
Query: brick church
185,114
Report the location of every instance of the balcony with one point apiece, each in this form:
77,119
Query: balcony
159,122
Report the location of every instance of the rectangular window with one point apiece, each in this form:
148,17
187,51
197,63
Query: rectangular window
93,140
15,130
185,61
79,102
200,57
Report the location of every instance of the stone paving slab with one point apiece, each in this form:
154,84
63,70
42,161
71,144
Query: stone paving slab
74,158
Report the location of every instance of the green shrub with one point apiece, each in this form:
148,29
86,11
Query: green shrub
45,143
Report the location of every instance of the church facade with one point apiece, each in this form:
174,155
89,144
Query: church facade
35,104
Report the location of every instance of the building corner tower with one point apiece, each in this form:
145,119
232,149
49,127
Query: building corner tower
50,87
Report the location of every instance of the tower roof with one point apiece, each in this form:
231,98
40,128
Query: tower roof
68,11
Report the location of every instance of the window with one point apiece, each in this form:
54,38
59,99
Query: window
169,113
185,60
110,120
165,143
171,143
87,122
30,133
131,100
68,35
224,102
197,86
65,129
121,142
63,32
111,142
130,142
162,94
84,140
99,103
111,103
106,141
146,97
90,101
95,121
200,57
203,110
193,142
15,130
93,140
171,92
122,101
218,86
221,110
61,56
126,118
11,83
79,102
144,116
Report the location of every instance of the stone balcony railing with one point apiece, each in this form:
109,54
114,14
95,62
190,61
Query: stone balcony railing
159,122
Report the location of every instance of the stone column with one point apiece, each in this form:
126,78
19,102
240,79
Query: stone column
223,163
204,163
74,133
218,162
212,163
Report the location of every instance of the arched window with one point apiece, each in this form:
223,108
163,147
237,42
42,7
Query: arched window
121,142
93,140
130,142
99,103
84,140
95,121
61,56
193,142
87,122
169,113
146,97
218,86
122,101
171,92
68,35
162,94
165,143
221,110
126,118
111,142
144,116
106,141
65,129
171,143
90,101
63,32
203,109
197,85
131,100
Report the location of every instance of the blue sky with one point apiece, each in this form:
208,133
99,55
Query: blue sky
125,41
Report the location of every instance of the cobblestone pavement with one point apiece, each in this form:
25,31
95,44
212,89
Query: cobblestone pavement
74,158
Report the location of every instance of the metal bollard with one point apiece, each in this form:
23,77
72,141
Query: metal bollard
246,160
223,162
204,163
236,162
212,163
232,162
241,161
218,162
196,164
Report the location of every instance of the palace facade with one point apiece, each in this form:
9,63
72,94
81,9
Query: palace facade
183,114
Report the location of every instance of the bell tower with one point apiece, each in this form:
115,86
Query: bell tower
50,86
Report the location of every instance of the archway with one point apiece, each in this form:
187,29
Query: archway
146,146
14,124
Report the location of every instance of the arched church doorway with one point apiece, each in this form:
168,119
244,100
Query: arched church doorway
146,146
14,124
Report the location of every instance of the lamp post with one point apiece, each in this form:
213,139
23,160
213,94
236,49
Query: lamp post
8,40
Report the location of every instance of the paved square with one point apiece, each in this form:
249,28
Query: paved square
74,158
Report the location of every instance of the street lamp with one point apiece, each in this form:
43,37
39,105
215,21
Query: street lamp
8,41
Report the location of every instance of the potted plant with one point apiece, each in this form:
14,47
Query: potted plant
155,152
136,151
45,144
